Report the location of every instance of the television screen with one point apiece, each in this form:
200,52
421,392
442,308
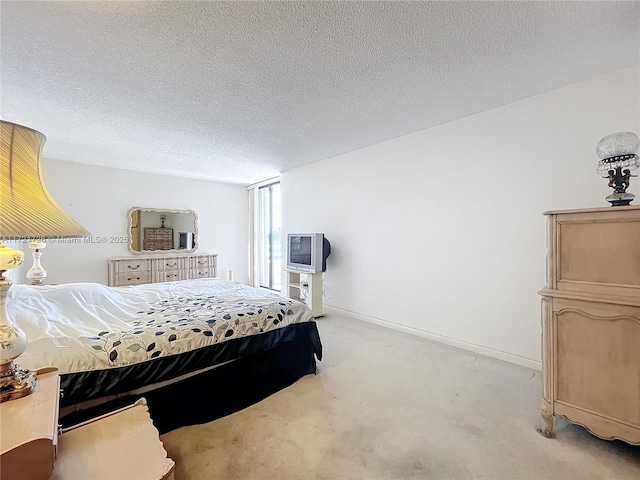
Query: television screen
300,249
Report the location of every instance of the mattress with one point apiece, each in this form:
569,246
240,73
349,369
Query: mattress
106,340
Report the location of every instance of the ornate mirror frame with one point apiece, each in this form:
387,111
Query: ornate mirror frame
134,223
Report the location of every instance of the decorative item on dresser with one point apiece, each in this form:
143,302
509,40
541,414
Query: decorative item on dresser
591,321
153,268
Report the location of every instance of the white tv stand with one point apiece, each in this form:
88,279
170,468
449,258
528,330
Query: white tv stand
306,288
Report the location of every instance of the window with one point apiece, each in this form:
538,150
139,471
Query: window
265,250
269,237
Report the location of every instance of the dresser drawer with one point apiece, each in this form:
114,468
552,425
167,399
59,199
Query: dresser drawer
165,237
202,273
132,278
200,262
172,275
171,263
596,251
133,265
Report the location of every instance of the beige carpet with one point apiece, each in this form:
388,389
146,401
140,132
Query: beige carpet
387,405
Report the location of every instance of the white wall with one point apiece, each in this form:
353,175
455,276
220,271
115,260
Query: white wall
98,198
442,231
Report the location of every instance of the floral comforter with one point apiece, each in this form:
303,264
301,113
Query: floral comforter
88,326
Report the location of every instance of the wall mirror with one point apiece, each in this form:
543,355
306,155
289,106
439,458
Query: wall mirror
153,230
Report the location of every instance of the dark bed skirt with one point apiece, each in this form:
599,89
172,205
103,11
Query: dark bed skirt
254,373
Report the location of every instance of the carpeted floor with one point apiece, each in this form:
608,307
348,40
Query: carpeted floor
387,405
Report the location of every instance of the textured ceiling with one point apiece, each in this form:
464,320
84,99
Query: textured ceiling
239,91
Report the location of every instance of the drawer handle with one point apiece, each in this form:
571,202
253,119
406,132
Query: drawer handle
172,264
133,268
137,278
201,262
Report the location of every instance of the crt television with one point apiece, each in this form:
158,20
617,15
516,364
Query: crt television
186,240
307,252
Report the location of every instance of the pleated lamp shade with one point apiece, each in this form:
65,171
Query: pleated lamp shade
27,211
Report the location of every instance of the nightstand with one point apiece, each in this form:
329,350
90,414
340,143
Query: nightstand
29,430
120,444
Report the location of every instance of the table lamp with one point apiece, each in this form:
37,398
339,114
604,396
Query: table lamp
618,159
27,211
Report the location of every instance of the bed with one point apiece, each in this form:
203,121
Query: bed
110,342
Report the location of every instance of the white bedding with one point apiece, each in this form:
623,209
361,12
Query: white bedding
87,326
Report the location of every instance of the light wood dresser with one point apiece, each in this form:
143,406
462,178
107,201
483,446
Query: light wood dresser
122,444
158,239
165,268
591,321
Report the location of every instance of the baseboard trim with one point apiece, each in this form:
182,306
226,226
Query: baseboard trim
489,352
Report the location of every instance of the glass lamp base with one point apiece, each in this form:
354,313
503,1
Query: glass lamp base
16,383
619,199
37,273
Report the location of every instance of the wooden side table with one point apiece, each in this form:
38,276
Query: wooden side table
29,431
120,444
